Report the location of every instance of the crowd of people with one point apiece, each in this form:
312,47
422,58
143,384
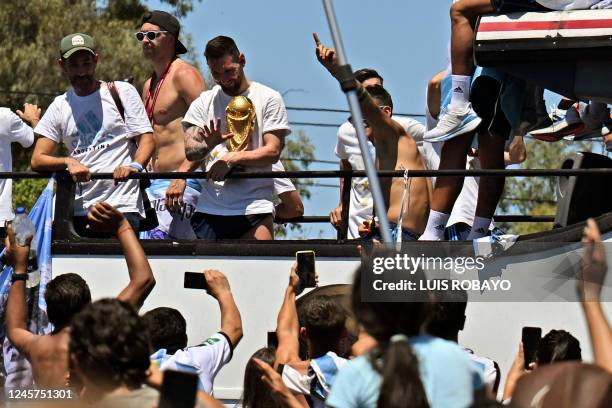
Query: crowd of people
370,354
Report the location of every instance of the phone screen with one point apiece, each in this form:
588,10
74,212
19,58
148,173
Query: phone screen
306,268
195,280
178,390
531,337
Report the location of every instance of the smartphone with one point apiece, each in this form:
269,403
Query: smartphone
531,341
272,340
178,390
195,280
306,268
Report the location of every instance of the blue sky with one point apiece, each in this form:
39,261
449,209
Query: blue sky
406,41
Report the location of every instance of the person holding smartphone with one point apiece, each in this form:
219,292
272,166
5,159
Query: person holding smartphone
168,335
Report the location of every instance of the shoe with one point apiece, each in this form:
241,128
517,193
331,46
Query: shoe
594,115
602,130
454,123
567,125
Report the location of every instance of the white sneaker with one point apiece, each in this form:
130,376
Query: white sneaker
453,124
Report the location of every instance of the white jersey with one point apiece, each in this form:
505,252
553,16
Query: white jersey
94,133
347,148
12,130
238,196
205,359
281,185
490,369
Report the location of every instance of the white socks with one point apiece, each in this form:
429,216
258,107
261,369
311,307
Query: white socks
480,228
436,223
460,94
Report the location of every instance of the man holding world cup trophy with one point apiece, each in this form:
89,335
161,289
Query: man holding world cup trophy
238,123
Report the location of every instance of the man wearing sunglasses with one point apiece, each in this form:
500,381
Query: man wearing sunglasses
167,94
87,120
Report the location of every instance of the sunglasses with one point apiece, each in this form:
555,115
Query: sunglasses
151,35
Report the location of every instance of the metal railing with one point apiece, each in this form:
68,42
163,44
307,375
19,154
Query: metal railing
64,205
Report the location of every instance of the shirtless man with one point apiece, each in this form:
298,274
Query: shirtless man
167,94
66,295
395,150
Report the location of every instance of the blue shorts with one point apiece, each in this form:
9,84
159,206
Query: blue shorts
407,234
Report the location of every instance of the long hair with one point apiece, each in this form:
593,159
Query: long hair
393,358
255,394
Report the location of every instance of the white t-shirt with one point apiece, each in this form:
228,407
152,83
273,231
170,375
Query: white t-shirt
490,369
95,134
205,359
347,148
238,196
281,185
12,129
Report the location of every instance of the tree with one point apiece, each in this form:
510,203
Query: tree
29,70
536,195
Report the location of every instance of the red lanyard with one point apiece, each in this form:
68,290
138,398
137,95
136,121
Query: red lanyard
150,109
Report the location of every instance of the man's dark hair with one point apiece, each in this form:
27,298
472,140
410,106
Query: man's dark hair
558,345
110,345
66,295
324,320
448,314
167,329
220,46
381,96
367,73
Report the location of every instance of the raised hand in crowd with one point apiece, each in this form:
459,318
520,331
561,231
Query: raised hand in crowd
589,285
273,380
517,370
30,114
104,217
219,288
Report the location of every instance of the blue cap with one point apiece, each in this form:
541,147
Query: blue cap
20,210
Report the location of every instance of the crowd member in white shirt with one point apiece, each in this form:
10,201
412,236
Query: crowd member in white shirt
234,208
168,336
99,138
13,129
349,153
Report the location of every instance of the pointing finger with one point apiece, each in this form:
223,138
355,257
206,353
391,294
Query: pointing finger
316,39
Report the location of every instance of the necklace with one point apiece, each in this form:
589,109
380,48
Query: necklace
150,102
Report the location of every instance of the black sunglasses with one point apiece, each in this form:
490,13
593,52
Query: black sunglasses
151,35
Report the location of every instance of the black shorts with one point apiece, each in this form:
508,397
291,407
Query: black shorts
510,6
486,100
209,226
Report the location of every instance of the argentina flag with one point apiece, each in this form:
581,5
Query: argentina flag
14,367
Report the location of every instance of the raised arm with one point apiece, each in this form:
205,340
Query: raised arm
231,322
593,271
372,113
104,217
16,308
287,323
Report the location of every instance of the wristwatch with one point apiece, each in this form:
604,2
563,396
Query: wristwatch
19,277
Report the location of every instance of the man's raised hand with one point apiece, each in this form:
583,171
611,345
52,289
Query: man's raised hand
213,135
594,265
104,217
325,55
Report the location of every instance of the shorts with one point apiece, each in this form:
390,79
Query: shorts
407,234
498,99
510,6
210,226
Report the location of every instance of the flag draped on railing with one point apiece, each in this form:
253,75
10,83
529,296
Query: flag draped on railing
16,368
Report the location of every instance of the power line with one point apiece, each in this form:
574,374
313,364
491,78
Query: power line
331,110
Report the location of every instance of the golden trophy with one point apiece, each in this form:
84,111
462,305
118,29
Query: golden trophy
240,117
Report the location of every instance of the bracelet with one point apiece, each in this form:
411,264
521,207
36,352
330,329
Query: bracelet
137,166
19,277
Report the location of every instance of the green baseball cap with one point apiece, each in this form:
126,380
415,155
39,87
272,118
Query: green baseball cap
76,42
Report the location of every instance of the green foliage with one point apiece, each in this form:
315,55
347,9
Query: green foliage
29,70
300,149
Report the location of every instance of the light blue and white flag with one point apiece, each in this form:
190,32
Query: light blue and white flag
15,367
